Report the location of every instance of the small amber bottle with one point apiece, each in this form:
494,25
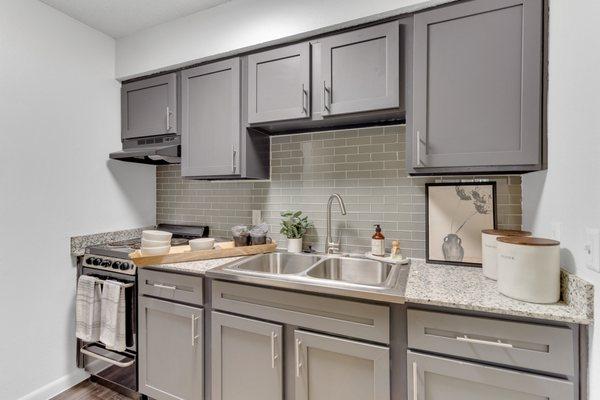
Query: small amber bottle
378,242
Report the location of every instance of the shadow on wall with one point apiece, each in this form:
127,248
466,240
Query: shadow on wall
127,176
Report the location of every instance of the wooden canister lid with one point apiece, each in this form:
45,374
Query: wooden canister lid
527,241
506,232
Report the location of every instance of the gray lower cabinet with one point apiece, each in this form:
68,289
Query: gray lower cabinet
149,107
279,84
360,70
330,368
211,126
477,88
439,378
171,356
247,358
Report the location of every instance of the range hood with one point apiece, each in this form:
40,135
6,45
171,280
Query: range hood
160,150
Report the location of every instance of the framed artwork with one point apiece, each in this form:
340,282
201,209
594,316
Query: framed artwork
455,215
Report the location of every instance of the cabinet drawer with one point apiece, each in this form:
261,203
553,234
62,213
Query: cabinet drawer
519,344
184,288
343,317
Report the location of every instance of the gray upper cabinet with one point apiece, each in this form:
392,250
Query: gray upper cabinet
329,368
149,107
247,358
211,127
360,70
279,84
171,356
438,378
477,88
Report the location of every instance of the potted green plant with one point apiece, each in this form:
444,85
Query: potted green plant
294,227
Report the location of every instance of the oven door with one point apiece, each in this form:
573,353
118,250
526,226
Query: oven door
119,369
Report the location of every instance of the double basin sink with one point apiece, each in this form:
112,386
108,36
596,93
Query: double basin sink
350,271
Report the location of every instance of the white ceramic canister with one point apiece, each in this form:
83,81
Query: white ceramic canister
489,245
529,269
294,245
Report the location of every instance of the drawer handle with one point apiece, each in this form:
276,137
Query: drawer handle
158,285
499,343
273,355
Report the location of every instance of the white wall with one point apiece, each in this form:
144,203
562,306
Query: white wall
569,191
235,25
59,119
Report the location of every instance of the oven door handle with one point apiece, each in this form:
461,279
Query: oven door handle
87,352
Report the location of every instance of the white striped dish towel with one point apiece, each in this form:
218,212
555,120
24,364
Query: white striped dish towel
87,309
112,326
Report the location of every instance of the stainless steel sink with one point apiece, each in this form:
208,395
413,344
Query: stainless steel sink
353,270
278,263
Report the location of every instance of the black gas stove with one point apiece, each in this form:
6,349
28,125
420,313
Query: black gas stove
114,256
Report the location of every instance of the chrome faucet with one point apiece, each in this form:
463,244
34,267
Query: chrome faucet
332,247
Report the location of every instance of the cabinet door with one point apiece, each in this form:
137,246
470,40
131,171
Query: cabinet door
279,84
360,70
477,85
246,358
329,368
171,356
149,107
438,378
210,136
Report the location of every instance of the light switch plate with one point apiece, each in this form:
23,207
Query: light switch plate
592,249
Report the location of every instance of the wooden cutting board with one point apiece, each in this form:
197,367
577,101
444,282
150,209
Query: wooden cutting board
184,254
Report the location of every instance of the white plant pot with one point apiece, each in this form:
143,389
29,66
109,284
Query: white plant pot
294,245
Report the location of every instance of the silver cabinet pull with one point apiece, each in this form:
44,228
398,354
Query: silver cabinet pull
273,355
298,363
158,285
121,364
194,336
233,154
419,142
415,372
168,119
326,98
304,100
498,343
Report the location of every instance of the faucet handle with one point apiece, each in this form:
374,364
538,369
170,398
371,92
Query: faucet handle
333,247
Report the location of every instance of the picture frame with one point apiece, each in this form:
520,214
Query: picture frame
455,215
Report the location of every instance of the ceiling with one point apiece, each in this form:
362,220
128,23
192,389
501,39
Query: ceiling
118,18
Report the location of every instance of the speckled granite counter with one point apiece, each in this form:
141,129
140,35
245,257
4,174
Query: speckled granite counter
466,288
457,287
79,243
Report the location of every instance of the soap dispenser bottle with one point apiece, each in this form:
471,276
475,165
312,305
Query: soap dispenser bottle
378,242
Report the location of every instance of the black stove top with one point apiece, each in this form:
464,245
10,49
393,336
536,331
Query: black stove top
121,249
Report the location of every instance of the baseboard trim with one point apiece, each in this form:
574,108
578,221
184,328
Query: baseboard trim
58,386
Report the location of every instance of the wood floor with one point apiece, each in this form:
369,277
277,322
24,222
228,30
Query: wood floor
88,390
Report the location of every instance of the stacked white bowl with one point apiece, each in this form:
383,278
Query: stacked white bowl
156,243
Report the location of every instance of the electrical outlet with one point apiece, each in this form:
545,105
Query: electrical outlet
592,249
556,228
256,217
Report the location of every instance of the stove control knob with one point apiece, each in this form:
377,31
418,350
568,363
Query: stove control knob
125,266
96,261
89,260
105,263
116,264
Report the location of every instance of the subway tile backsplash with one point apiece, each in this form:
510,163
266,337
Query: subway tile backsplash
365,166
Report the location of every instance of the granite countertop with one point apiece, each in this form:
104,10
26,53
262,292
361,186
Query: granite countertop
79,243
466,288
462,288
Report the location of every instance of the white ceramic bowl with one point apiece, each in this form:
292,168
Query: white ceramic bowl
155,251
202,244
157,235
147,243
